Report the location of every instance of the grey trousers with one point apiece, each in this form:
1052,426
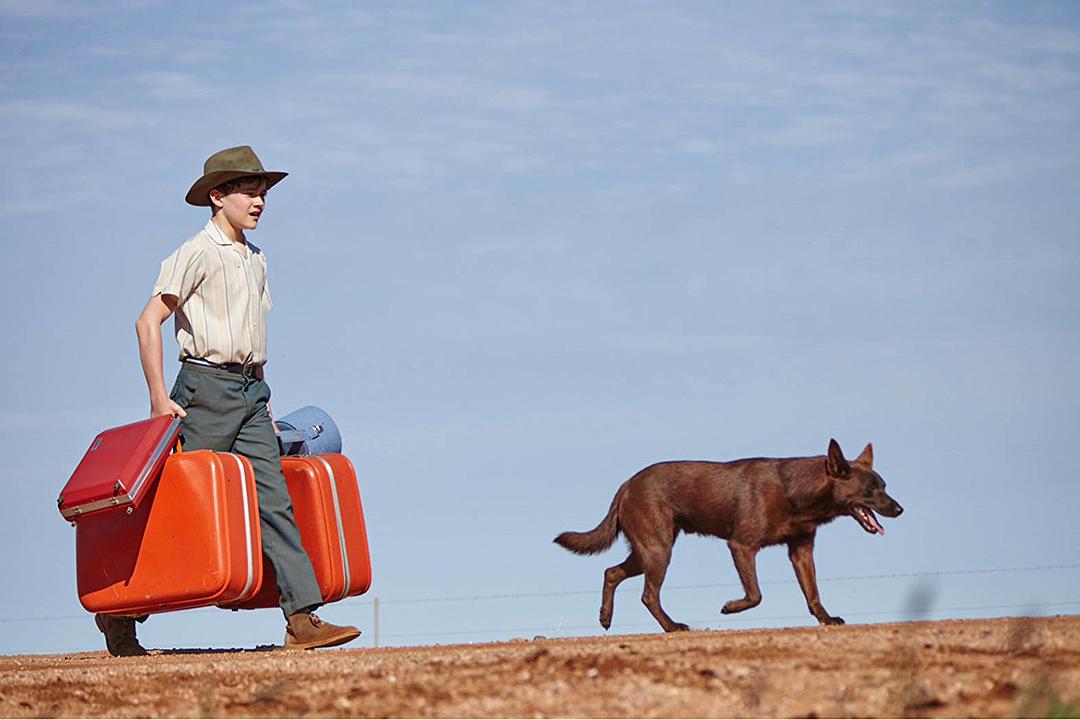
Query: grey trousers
227,412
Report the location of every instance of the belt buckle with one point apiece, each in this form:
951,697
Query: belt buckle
247,368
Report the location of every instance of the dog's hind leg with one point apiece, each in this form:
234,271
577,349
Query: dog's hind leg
630,567
801,553
654,563
745,558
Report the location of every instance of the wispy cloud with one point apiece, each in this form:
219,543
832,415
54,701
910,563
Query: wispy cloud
167,85
153,54
69,113
412,96
43,8
980,173
813,131
467,92
70,9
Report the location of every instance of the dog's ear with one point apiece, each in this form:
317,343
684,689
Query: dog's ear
835,464
866,458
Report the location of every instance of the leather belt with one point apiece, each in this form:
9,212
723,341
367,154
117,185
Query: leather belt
248,371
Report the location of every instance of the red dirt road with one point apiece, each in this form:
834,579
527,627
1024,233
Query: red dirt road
977,668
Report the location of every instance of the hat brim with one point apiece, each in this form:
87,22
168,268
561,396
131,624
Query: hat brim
199,194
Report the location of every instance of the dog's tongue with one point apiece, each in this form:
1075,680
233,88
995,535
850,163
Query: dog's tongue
877,526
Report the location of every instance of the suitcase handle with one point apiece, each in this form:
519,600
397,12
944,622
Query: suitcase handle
289,434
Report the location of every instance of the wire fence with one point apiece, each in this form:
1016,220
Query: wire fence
362,602
593,590
899,615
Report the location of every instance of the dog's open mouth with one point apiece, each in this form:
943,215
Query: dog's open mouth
867,519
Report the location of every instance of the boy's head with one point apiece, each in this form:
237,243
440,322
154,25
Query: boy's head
224,169
240,201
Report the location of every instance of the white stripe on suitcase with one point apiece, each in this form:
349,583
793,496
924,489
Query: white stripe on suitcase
340,527
247,529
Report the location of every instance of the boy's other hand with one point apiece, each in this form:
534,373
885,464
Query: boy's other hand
166,407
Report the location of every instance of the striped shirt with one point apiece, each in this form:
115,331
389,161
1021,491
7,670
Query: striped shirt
221,298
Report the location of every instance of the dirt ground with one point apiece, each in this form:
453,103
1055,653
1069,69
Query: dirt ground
979,668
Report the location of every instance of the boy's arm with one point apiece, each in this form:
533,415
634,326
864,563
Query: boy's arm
148,328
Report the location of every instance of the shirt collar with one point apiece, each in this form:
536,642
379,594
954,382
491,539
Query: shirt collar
217,235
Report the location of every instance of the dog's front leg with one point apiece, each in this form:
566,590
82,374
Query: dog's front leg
745,558
801,553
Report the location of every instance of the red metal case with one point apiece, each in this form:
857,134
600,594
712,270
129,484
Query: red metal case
119,468
328,511
194,542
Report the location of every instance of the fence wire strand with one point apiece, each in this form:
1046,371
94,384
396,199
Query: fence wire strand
592,591
701,623
356,602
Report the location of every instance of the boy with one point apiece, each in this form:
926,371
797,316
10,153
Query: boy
215,284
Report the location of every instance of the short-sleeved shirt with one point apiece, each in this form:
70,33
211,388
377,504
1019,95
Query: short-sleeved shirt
222,298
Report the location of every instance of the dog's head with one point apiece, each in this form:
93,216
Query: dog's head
858,489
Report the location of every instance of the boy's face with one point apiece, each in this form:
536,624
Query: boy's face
243,205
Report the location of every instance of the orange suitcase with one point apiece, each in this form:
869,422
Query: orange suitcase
326,503
194,542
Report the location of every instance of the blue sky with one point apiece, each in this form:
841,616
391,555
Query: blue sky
528,248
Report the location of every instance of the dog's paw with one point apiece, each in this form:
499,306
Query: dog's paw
734,606
677,627
831,620
605,620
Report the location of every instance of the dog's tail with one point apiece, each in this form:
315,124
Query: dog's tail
599,538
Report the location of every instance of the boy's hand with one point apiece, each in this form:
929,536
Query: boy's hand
166,406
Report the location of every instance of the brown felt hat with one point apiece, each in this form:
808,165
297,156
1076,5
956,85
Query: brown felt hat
226,165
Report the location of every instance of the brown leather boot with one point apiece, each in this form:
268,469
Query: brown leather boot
119,635
305,631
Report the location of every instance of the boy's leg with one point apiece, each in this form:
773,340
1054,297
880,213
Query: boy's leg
228,413
300,593
119,632
280,537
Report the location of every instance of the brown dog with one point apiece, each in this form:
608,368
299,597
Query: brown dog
751,503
